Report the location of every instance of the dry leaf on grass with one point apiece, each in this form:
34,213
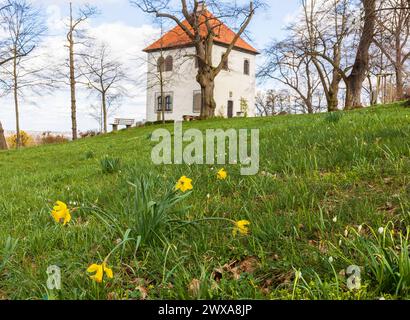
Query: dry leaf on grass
235,268
321,245
143,291
141,285
194,287
389,208
249,264
276,279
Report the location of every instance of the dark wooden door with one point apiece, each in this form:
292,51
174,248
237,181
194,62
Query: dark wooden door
230,109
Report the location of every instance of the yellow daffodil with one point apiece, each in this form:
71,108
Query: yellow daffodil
184,184
61,212
99,270
222,174
241,227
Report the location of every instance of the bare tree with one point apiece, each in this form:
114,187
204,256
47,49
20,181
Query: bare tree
3,60
359,69
392,38
113,103
74,32
201,27
265,103
159,75
103,74
288,65
322,32
273,102
24,28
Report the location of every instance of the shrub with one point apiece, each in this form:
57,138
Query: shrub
110,165
158,122
89,133
244,107
48,138
25,140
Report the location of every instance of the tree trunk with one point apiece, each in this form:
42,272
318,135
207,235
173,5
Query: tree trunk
104,111
72,78
333,103
354,93
355,80
207,82
208,101
399,67
162,93
16,101
3,143
399,83
309,105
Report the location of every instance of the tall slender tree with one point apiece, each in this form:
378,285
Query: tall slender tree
24,27
73,35
3,60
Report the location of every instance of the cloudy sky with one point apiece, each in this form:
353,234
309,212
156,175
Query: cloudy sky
127,31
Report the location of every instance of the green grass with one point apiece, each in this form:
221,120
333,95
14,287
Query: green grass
320,178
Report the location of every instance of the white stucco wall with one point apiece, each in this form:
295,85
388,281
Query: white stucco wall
229,85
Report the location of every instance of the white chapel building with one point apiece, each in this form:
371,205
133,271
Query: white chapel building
235,85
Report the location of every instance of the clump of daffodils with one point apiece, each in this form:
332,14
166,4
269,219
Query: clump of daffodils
184,184
222,174
61,213
99,271
241,227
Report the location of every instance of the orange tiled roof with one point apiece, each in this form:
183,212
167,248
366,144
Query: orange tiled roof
178,38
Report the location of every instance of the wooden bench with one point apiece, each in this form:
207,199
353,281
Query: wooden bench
128,123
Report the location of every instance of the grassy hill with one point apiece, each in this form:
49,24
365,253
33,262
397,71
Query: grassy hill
332,191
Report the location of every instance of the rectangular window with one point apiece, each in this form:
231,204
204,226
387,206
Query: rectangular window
197,101
246,67
169,102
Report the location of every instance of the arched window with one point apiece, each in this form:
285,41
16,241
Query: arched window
161,64
169,63
246,67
